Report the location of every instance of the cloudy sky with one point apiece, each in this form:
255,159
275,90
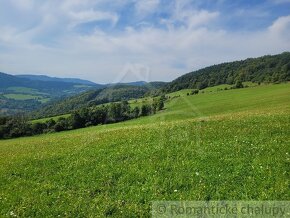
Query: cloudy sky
127,40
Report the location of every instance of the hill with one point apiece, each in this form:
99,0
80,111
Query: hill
26,93
23,94
266,69
95,97
230,144
52,87
55,79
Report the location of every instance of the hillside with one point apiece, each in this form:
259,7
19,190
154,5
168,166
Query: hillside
266,69
229,144
26,93
23,94
95,97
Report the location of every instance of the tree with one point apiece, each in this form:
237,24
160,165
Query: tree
160,104
239,84
135,112
115,112
202,85
146,110
163,98
61,124
18,126
37,128
98,115
2,132
125,110
50,123
154,105
76,120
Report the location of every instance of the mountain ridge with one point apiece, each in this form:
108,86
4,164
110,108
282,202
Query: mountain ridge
265,69
56,79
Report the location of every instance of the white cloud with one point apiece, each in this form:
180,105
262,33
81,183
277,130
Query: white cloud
187,42
281,25
91,15
200,18
189,16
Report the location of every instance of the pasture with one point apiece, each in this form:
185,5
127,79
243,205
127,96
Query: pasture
224,145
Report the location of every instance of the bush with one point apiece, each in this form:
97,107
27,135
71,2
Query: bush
239,85
194,92
62,124
135,112
37,128
50,123
146,110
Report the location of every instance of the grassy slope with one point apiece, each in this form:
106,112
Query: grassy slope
222,145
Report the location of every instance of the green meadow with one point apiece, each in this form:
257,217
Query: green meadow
20,96
24,93
55,118
217,145
25,90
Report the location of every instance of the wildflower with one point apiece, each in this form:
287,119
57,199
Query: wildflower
12,214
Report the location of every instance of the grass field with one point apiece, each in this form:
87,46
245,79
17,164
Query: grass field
21,96
25,90
55,118
226,145
24,93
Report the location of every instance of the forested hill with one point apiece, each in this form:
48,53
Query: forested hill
96,97
56,79
266,69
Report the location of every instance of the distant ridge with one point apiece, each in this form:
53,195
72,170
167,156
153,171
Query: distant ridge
23,94
56,79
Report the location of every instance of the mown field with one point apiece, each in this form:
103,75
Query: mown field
231,145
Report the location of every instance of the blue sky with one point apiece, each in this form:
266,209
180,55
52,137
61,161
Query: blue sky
127,40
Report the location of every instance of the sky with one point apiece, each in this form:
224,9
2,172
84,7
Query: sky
109,41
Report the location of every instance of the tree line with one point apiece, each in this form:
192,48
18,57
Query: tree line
90,98
266,69
17,126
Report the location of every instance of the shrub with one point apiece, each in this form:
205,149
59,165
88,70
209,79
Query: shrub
146,110
194,92
239,85
37,128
